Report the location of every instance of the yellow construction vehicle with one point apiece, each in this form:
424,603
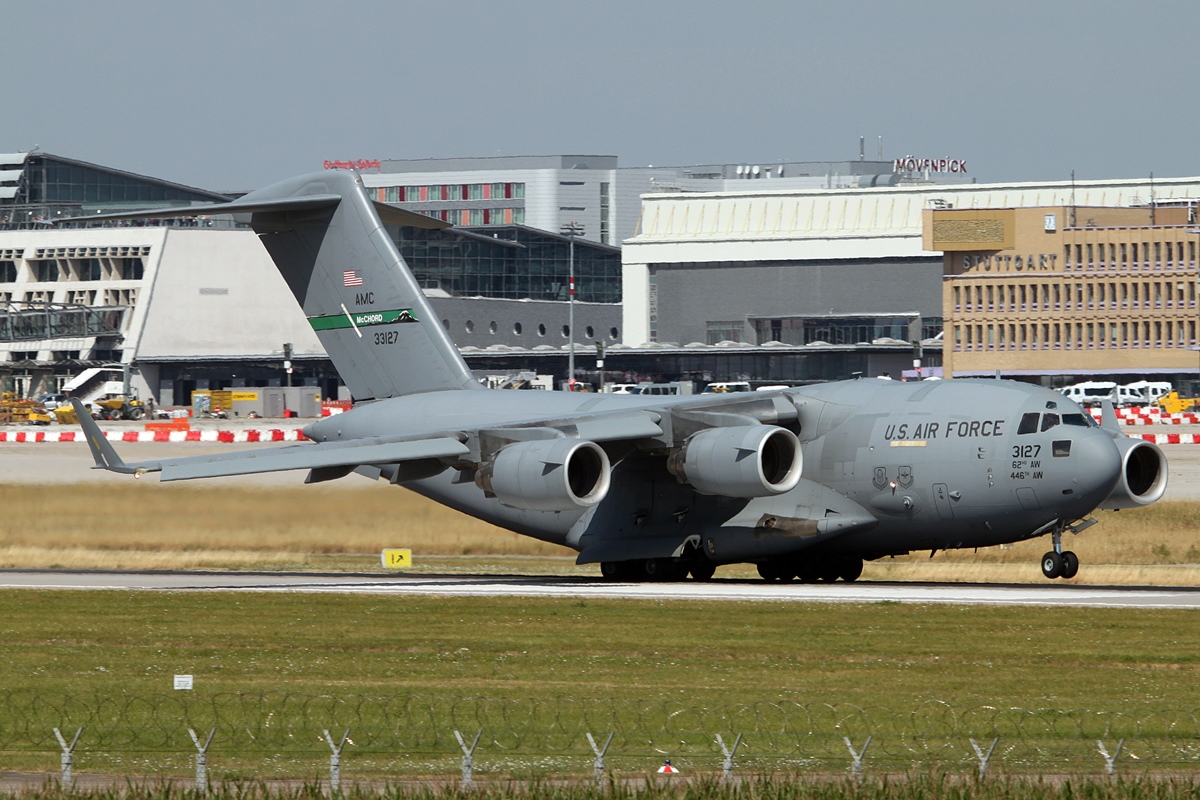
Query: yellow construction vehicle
118,407
1173,403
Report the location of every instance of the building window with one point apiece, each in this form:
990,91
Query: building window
724,331
45,271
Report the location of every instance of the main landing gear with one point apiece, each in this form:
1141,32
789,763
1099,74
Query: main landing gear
1059,563
810,570
647,570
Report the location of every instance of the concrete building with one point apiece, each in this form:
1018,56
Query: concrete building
1066,293
807,268
197,304
548,192
779,278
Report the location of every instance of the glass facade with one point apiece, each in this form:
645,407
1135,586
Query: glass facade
56,322
461,204
511,263
841,330
51,187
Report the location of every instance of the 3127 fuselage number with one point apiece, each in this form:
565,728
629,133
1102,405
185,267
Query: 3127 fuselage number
1026,450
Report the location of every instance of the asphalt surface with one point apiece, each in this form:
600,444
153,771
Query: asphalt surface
71,463
575,587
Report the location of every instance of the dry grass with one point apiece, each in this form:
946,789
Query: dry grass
149,526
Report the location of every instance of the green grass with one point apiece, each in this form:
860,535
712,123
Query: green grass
920,787
402,673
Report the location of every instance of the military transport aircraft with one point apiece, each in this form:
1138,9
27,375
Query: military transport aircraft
805,482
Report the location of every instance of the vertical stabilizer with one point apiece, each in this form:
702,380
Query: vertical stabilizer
327,239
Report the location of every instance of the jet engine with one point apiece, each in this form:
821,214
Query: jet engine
1143,475
747,461
547,475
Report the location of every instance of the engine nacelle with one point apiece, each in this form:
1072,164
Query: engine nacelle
749,461
547,475
1143,475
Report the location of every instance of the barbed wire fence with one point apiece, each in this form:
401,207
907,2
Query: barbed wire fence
268,735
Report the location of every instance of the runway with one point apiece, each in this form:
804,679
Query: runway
1056,595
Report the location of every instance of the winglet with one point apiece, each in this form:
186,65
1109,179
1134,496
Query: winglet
1108,418
104,454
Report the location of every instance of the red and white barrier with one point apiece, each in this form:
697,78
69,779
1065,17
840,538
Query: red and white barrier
251,435
1169,438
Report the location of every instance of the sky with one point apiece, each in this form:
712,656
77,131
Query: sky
230,96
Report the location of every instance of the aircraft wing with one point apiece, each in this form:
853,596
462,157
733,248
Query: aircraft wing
305,456
309,456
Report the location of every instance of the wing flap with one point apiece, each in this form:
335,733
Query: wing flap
610,427
314,456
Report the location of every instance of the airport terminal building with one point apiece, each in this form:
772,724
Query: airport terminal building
1062,293
196,303
821,270
777,277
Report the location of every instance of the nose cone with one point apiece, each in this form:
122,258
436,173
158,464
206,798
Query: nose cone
1095,464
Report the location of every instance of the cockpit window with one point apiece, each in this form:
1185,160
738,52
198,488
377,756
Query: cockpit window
1062,449
1029,422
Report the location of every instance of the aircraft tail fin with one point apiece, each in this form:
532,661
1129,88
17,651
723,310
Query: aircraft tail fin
328,240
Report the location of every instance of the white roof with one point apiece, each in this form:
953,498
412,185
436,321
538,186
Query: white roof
852,222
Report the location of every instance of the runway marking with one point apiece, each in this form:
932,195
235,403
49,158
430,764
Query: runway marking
1051,595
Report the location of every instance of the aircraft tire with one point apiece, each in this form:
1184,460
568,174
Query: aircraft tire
702,569
776,571
829,569
1070,564
807,571
850,568
1052,565
616,570
660,569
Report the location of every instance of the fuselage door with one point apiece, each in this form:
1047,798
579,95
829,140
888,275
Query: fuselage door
941,498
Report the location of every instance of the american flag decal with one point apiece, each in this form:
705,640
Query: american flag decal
350,277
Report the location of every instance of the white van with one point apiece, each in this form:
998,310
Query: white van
1143,393
1091,393
679,387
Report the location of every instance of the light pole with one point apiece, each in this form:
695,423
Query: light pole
571,230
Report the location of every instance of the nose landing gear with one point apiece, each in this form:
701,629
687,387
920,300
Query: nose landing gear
1059,563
